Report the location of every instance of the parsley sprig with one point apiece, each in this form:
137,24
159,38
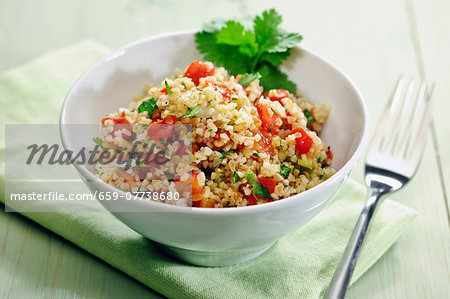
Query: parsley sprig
148,105
261,49
257,188
246,79
192,111
223,154
169,91
99,142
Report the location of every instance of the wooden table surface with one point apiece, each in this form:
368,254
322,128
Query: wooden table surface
372,41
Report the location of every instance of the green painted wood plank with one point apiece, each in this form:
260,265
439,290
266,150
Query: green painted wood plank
432,33
371,41
35,263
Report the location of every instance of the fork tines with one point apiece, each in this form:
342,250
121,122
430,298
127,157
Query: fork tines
402,128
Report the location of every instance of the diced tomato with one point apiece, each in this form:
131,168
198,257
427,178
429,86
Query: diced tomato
142,172
117,120
156,114
265,144
199,69
196,188
225,91
163,91
162,129
329,158
269,184
251,200
270,123
276,96
189,185
169,119
303,143
192,185
119,124
329,154
182,149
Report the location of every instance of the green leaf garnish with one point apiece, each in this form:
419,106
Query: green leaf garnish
99,142
273,78
148,105
284,171
169,91
246,79
192,111
236,177
256,155
233,34
308,116
257,188
261,49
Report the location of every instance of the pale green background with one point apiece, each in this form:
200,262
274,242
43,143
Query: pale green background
373,41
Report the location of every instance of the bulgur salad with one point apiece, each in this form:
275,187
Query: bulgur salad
239,146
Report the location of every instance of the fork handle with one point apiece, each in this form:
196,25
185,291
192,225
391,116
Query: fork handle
342,276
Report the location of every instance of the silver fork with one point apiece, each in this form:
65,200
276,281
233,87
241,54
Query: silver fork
392,160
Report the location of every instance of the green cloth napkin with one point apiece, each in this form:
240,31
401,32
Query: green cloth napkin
299,265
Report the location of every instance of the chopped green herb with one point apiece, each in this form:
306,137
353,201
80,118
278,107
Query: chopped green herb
308,116
262,49
169,91
256,155
281,145
236,178
257,188
169,176
223,155
271,129
246,79
320,176
192,111
162,140
234,99
209,130
284,171
184,85
125,164
99,142
148,105
302,163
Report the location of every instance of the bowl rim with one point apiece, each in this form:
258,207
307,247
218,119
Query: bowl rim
272,206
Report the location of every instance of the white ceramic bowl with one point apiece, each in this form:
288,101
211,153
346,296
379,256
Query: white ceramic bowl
206,236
